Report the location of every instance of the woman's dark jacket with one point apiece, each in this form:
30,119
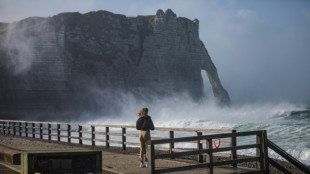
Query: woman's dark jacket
145,123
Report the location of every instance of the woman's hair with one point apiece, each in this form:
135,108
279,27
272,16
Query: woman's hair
143,112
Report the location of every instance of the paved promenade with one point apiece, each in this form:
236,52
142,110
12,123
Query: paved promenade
113,160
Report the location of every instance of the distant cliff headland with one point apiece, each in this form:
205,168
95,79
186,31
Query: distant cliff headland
66,62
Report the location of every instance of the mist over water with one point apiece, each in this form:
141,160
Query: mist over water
184,108
286,122
290,132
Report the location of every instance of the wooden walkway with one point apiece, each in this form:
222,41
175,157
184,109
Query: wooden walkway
26,135
113,160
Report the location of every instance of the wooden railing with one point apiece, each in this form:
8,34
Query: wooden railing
260,146
286,156
94,134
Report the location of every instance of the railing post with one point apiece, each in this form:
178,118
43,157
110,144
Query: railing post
69,132
4,127
41,131
33,130
209,156
93,136
9,128
1,123
123,138
233,141
199,147
80,135
58,132
265,151
171,145
151,157
26,129
259,151
49,131
14,128
20,129
107,137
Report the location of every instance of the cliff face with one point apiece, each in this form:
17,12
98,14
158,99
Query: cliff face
60,63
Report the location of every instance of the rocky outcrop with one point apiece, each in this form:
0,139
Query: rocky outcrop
79,62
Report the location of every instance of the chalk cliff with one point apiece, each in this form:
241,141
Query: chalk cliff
65,62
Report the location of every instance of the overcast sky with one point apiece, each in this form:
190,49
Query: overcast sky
261,48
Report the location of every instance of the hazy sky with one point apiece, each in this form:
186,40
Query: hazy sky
261,48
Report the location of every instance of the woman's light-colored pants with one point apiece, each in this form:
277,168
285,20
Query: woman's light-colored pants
145,138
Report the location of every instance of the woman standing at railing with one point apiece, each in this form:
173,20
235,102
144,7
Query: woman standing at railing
144,124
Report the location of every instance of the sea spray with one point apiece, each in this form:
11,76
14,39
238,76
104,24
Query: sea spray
289,131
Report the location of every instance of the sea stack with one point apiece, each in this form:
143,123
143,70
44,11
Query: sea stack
61,63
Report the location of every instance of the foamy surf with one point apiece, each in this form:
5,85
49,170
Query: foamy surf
286,125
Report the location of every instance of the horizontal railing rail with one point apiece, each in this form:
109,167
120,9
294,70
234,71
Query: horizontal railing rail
260,146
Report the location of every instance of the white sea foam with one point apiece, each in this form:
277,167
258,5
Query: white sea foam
289,133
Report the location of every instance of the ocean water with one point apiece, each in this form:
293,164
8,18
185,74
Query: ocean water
287,124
